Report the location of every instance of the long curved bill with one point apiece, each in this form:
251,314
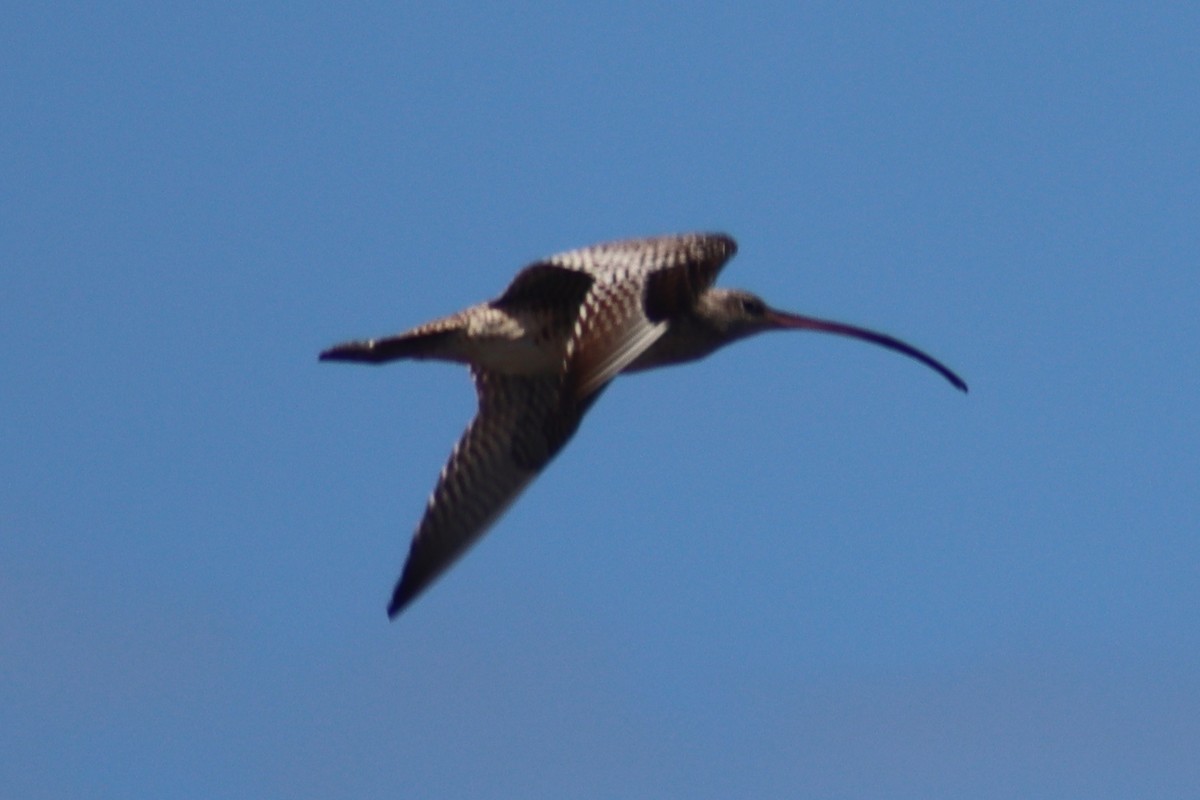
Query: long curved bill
783,319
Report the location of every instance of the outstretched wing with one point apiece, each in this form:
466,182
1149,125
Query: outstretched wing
638,286
700,254
520,426
615,299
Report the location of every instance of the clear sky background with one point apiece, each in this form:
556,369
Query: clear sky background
805,567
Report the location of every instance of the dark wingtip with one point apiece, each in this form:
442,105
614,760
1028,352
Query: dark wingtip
359,352
337,353
401,597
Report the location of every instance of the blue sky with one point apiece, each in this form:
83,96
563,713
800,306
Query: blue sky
803,567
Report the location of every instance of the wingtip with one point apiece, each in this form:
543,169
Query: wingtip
401,597
350,351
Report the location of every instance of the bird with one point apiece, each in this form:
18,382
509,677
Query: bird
542,352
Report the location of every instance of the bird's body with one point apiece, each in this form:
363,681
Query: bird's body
542,352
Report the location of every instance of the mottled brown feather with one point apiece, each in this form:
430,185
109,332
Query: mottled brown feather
610,302
639,285
520,426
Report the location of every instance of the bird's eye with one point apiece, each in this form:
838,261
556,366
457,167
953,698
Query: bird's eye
753,307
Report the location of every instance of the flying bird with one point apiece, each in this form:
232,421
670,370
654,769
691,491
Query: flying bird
542,352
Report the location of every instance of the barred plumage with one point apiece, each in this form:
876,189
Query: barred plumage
542,352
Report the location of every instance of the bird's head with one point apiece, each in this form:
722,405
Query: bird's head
734,314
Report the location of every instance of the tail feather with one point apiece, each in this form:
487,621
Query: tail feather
414,344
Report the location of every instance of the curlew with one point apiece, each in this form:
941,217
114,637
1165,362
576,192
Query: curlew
542,352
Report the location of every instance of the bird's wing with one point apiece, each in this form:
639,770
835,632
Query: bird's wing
520,426
638,286
700,254
545,287
616,299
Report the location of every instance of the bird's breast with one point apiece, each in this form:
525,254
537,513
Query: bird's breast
682,342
